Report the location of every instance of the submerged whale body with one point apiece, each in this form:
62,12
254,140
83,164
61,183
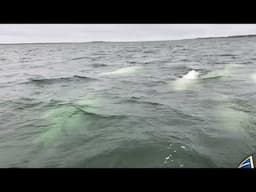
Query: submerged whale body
123,71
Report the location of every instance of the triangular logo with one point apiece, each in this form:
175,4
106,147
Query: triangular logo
247,163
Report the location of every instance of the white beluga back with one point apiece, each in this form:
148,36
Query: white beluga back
190,80
123,71
186,81
253,77
191,75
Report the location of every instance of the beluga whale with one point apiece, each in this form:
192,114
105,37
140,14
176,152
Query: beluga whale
184,82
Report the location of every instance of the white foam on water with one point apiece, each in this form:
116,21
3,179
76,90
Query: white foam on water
123,71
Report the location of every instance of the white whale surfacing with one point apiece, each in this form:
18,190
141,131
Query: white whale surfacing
123,71
186,81
191,75
229,71
189,80
65,120
232,116
253,77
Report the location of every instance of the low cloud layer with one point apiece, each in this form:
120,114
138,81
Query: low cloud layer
33,33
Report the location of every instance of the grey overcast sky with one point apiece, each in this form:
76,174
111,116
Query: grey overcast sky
33,33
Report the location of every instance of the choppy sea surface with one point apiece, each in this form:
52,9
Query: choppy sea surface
169,104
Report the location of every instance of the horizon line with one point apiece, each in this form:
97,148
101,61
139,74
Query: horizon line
207,37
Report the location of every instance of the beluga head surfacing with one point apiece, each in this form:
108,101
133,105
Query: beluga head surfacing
185,81
191,75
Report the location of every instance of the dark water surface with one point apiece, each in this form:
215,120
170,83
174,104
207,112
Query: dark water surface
128,104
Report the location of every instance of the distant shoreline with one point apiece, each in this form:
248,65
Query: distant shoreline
220,37
232,36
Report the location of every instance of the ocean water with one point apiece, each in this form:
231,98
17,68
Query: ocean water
168,104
